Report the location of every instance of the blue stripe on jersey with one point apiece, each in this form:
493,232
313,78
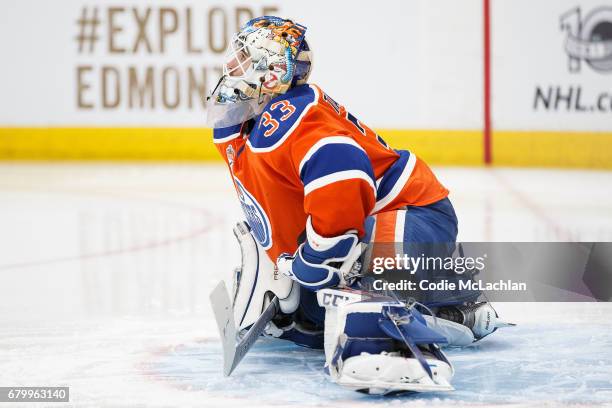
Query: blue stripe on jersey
392,174
333,158
222,133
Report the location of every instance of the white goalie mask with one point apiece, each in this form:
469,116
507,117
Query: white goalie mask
266,58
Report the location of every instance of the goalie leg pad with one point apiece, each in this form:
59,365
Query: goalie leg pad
382,346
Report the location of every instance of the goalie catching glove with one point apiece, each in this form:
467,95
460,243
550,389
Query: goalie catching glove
322,262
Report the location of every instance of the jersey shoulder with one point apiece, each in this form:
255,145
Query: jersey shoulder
226,134
282,117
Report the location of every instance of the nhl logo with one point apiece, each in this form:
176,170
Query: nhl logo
589,39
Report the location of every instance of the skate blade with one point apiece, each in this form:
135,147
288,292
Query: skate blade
499,324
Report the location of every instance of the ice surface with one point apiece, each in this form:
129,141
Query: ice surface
525,364
105,272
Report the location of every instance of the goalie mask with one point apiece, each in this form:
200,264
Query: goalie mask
266,58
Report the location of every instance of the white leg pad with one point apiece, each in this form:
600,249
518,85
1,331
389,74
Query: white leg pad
374,373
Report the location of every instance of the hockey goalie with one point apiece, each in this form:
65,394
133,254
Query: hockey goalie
318,187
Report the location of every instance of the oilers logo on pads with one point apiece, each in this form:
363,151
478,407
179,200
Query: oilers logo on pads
255,216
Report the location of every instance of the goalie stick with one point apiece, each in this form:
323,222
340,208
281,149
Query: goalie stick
234,348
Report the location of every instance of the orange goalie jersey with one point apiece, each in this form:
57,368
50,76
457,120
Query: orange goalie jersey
305,155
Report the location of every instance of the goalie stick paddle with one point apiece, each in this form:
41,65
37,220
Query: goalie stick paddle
235,349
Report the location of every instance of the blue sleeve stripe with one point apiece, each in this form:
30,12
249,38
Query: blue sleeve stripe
325,141
394,180
393,173
334,158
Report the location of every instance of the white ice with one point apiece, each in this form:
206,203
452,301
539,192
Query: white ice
105,272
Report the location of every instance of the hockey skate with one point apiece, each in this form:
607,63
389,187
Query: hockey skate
465,324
